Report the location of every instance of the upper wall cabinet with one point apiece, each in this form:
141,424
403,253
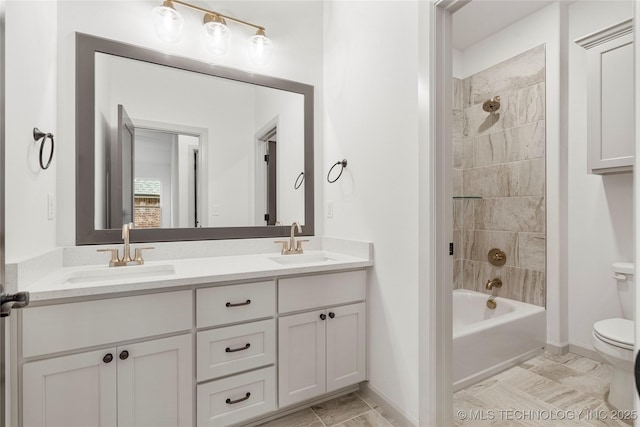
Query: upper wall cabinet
610,124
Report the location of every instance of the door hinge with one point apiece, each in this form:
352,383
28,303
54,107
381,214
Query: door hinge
451,248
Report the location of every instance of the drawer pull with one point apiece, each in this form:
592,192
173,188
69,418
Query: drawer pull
247,302
246,347
242,399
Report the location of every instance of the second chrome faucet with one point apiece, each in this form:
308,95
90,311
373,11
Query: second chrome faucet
126,259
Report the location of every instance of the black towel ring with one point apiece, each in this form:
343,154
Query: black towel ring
299,181
342,163
39,135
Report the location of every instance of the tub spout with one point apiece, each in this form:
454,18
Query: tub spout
493,283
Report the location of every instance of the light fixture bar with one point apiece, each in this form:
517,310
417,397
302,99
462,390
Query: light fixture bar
230,18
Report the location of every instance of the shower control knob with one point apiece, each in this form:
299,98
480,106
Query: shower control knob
124,355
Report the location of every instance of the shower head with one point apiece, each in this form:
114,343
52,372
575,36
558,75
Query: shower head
491,105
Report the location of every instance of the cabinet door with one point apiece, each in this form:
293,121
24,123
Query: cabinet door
301,356
346,346
70,391
155,383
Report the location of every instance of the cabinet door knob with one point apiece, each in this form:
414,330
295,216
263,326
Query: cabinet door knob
124,355
323,316
107,358
332,314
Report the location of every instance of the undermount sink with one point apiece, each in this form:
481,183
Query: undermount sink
118,273
296,259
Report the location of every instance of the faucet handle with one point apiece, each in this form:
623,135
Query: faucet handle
138,254
285,247
299,245
114,255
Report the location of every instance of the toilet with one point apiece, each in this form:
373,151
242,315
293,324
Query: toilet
613,339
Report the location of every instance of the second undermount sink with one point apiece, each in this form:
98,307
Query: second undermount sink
295,259
104,274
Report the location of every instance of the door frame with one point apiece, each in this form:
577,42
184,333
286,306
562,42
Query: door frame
3,348
636,179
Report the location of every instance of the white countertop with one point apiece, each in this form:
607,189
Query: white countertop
68,281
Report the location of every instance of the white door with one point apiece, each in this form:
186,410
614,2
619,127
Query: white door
154,383
71,391
301,356
346,344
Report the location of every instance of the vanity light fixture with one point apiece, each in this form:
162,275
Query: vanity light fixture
168,22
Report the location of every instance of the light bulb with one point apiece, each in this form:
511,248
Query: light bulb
216,34
260,48
167,22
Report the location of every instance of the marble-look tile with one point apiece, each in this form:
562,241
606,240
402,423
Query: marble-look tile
571,378
511,214
591,367
466,92
458,276
478,122
463,213
368,419
515,144
458,124
457,186
525,285
531,177
379,410
602,417
458,244
532,251
525,69
531,104
458,94
490,181
463,153
340,409
559,358
464,405
534,361
303,418
483,241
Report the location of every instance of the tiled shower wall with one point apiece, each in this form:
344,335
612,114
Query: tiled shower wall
499,178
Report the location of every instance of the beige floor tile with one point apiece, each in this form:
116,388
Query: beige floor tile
340,409
468,410
303,418
368,419
593,386
538,360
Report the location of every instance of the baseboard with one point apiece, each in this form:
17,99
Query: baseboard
586,352
558,350
390,409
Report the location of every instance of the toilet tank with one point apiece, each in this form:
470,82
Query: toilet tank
623,272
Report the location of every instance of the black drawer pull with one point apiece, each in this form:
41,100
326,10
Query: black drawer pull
242,399
247,302
246,347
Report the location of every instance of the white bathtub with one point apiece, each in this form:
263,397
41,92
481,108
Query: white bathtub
487,341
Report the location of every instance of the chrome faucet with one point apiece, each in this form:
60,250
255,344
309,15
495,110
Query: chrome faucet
126,259
493,283
292,246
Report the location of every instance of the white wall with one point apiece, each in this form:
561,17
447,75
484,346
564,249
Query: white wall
600,207
543,26
371,119
30,102
294,27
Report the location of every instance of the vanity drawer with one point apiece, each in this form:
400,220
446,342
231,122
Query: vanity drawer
236,348
63,327
235,303
307,292
236,399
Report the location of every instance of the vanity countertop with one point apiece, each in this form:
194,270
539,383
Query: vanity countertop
74,281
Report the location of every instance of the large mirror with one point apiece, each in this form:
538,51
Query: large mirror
187,150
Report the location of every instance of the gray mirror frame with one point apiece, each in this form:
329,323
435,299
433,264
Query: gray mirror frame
86,234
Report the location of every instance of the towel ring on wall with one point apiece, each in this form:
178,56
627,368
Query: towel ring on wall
39,135
342,163
299,181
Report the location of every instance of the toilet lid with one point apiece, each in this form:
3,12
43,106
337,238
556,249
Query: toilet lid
618,332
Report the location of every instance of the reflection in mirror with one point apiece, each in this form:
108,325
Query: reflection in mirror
181,149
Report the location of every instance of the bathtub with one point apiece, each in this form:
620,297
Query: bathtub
487,341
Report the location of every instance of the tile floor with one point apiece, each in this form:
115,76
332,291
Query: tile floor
547,390
351,410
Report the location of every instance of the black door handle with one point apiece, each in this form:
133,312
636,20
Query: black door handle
637,372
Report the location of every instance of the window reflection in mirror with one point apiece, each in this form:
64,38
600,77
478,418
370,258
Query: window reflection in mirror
191,150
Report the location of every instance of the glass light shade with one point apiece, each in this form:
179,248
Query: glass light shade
167,22
260,48
216,37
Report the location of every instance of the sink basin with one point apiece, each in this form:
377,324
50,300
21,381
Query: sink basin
118,273
302,259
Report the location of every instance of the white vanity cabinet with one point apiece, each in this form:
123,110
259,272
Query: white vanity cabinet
322,349
610,125
143,383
